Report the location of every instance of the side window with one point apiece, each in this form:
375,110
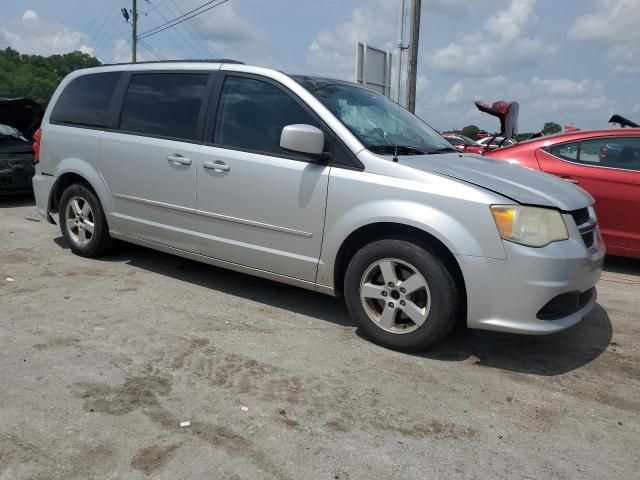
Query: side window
164,104
252,114
86,100
618,152
567,151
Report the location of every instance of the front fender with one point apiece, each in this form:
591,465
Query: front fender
471,234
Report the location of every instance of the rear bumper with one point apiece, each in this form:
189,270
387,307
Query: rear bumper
509,295
42,187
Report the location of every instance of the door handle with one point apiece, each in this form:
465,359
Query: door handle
178,159
572,180
218,166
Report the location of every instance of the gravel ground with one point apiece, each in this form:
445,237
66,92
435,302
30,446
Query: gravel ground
101,361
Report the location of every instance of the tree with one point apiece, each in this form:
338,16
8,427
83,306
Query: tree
35,76
551,128
470,131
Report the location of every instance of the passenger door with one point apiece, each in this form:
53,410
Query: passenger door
609,169
259,205
150,162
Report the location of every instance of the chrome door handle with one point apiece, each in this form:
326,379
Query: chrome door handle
222,167
179,159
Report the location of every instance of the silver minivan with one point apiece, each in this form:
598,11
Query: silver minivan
317,183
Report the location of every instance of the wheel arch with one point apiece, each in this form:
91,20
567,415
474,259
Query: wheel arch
381,230
75,171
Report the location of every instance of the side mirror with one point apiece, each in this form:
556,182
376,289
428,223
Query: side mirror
301,138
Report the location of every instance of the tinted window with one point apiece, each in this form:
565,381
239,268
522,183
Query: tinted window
164,104
604,152
611,152
568,151
455,140
252,114
86,100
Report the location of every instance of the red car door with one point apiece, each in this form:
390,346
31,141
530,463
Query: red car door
609,169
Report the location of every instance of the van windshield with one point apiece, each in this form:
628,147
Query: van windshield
379,123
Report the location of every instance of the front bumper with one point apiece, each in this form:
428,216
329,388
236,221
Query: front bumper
508,295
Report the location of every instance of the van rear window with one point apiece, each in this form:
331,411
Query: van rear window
86,101
164,104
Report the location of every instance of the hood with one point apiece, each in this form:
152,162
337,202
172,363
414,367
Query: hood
521,184
21,113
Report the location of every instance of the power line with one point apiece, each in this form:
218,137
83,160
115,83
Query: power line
177,18
149,33
202,43
104,5
107,34
111,37
180,34
152,50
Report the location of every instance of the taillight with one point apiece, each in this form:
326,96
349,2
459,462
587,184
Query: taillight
36,146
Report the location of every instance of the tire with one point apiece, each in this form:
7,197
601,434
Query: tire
82,222
430,300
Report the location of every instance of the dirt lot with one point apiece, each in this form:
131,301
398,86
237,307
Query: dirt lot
101,360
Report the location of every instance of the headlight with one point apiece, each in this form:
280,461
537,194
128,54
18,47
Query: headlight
531,226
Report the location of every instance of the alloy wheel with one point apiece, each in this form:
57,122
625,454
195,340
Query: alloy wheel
395,295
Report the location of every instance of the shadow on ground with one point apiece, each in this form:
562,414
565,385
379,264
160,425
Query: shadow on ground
12,200
627,266
540,355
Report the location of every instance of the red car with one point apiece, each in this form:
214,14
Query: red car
606,163
463,144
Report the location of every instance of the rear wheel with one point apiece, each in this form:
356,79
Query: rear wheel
83,223
402,295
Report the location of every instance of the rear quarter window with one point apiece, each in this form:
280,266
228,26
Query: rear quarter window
86,101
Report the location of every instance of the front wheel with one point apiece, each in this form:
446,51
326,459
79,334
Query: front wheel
83,223
402,295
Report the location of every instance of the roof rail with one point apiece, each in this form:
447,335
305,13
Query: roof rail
199,60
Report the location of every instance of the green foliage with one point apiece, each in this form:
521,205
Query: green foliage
470,131
35,76
551,128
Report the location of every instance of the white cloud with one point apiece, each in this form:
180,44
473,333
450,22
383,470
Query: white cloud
232,35
29,15
332,52
506,41
614,22
34,35
636,108
541,100
565,87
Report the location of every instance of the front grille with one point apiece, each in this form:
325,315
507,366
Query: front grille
589,238
581,216
586,226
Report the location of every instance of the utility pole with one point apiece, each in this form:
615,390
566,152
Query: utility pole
414,40
401,49
134,31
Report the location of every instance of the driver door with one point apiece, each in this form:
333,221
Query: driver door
258,205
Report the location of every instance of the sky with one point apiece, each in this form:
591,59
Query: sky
568,61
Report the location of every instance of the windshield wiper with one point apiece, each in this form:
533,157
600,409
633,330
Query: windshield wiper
390,149
442,150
